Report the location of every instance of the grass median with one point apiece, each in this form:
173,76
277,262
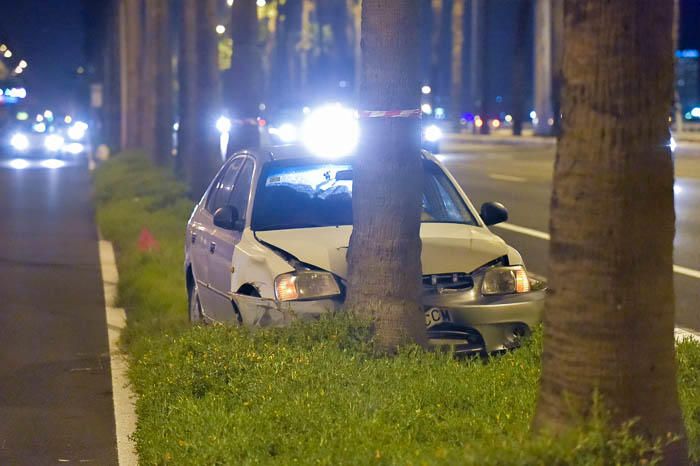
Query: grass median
318,393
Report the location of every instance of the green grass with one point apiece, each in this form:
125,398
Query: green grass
318,393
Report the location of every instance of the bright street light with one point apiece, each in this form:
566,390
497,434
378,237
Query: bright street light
220,29
8,53
23,63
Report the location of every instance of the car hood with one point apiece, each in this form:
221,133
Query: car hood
447,248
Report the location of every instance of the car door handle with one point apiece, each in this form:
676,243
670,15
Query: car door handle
212,247
194,237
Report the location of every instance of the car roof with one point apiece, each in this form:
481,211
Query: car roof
267,154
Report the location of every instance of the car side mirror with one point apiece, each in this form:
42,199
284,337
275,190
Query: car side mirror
227,218
493,213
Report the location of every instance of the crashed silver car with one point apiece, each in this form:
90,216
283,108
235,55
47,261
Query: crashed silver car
267,244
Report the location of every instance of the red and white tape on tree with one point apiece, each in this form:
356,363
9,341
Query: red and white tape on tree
411,113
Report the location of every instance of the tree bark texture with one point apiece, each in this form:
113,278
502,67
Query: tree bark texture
199,94
132,42
609,315
158,82
523,19
457,83
384,255
245,82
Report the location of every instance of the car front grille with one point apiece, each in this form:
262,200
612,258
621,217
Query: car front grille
447,282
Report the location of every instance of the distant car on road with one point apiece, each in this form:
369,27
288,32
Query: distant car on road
38,140
267,244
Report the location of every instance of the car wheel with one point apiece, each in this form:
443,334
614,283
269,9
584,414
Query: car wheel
195,306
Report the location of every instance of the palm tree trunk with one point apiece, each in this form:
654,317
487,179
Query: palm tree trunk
199,93
158,108
609,316
246,77
457,83
523,19
111,78
384,256
131,42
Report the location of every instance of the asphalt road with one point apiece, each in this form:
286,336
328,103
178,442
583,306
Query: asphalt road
519,175
55,387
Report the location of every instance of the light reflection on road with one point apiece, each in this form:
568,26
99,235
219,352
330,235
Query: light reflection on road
26,164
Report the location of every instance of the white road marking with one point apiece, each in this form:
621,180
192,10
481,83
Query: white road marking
523,230
122,395
500,177
686,271
692,273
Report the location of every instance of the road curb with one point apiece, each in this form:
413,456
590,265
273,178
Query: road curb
123,396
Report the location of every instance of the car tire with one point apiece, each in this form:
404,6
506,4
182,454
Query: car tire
195,306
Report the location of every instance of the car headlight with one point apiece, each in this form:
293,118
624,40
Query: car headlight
305,285
53,142
505,280
432,133
19,142
77,131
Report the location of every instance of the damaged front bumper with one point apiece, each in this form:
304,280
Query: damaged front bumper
465,320
484,324
265,312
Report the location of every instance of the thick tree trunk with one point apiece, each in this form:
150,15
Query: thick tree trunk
384,256
199,94
111,79
158,86
609,316
245,86
132,45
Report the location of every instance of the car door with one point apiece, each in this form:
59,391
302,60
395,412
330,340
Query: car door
218,197
224,242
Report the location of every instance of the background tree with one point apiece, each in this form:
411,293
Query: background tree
609,316
131,46
384,257
198,144
158,82
246,81
523,20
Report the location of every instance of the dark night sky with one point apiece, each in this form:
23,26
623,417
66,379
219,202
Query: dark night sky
49,35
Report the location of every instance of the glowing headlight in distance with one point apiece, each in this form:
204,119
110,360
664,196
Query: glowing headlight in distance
53,142
331,131
19,142
223,124
672,144
77,131
305,285
432,133
287,132
505,280
74,148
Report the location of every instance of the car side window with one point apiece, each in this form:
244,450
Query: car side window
241,192
223,187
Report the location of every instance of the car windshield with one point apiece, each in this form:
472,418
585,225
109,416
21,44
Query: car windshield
311,194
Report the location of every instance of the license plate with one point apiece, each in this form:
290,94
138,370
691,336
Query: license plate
436,316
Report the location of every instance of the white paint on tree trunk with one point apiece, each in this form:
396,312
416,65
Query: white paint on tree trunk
122,395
